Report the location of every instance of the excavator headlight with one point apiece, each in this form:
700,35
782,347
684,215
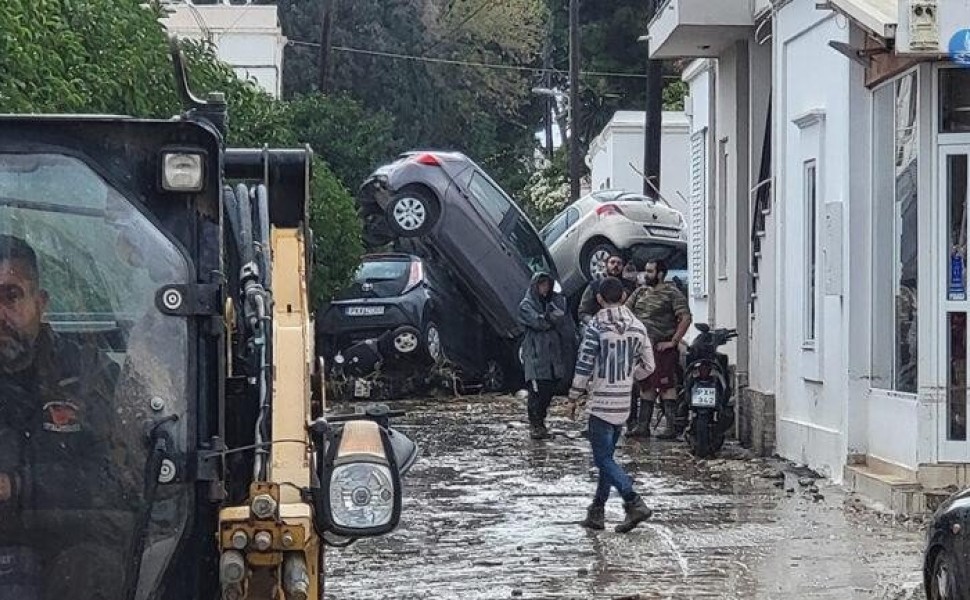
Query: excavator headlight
183,172
361,496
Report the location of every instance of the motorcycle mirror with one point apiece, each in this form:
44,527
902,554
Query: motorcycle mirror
703,327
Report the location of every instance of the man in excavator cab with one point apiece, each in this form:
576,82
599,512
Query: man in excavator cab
163,427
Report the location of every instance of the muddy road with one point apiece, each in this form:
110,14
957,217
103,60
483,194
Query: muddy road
490,514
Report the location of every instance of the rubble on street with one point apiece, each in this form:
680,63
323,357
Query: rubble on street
491,514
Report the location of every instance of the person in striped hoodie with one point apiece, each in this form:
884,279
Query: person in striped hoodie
614,353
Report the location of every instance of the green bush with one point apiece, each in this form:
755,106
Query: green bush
351,139
111,56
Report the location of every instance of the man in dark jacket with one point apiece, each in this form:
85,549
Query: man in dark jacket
616,267
64,497
548,347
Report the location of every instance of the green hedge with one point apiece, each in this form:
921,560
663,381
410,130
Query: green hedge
111,57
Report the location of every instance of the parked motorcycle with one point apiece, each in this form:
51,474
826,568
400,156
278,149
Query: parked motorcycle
709,390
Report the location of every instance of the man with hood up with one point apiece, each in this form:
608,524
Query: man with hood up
547,347
614,353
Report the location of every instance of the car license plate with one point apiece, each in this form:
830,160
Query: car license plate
704,397
361,388
365,311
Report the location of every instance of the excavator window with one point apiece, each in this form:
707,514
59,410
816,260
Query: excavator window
88,366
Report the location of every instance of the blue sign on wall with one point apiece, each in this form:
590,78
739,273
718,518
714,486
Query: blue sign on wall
960,48
957,290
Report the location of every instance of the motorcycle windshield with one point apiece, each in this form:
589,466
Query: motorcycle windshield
88,365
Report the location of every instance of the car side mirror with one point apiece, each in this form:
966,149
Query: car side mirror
360,462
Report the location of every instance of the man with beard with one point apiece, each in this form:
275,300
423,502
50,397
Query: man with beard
61,490
664,310
616,267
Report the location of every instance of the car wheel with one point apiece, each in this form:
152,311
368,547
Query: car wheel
942,583
493,379
412,212
432,343
594,259
403,341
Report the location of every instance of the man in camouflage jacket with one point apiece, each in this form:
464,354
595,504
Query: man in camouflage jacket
663,309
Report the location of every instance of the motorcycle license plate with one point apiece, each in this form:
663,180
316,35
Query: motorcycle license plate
703,397
361,389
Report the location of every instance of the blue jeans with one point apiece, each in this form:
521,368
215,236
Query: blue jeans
603,437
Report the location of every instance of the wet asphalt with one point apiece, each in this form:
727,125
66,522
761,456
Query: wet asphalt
490,514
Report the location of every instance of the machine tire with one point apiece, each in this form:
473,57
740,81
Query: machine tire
590,252
942,584
494,379
701,442
412,212
432,339
725,422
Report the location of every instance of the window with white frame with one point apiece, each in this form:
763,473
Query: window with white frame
698,214
895,248
906,271
810,202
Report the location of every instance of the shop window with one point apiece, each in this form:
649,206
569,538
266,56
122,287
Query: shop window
895,236
955,101
810,202
906,236
956,396
956,166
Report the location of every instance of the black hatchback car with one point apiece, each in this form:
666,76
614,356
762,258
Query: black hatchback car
946,560
445,201
405,315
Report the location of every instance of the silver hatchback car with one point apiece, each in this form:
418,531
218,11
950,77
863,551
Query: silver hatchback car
582,236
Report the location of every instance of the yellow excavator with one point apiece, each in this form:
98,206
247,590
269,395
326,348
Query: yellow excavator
164,432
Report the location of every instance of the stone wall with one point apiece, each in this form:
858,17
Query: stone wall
756,421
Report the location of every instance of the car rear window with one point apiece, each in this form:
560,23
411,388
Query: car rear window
372,271
378,279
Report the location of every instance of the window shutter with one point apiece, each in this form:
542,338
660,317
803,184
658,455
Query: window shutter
698,213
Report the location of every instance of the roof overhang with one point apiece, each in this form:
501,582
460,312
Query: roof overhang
699,28
878,16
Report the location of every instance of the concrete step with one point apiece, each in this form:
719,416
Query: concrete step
897,491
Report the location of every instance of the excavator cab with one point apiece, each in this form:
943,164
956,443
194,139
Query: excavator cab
163,427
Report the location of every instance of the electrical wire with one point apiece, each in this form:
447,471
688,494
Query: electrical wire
467,63
485,4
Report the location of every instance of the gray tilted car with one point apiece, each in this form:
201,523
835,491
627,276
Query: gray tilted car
444,204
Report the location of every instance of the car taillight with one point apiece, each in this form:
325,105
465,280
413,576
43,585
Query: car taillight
415,276
608,210
427,159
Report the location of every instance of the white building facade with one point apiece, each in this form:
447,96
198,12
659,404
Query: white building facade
854,243
615,156
247,37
